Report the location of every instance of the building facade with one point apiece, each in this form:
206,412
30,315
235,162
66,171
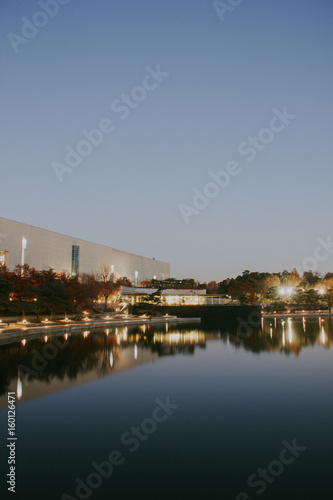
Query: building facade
173,297
24,244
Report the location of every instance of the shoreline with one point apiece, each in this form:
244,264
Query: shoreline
14,333
297,315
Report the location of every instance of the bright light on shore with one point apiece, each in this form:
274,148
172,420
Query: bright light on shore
286,290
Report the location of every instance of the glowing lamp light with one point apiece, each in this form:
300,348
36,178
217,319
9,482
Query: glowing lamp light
286,290
321,291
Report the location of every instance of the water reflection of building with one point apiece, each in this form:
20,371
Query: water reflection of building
51,364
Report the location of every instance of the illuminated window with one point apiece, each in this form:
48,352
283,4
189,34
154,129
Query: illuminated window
2,258
75,260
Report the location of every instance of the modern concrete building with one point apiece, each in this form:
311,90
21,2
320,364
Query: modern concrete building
42,249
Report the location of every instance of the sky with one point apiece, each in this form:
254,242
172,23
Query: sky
195,132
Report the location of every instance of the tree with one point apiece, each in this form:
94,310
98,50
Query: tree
5,289
151,301
243,299
311,278
105,280
212,287
83,291
123,281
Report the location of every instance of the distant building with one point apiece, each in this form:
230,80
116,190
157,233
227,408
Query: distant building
173,297
42,249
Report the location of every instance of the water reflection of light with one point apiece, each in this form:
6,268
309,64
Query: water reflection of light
19,388
283,334
85,334
174,337
166,327
45,338
66,336
118,339
304,324
323,337
107,332
135,352
125,334
111,359
23,342
290,333
271,331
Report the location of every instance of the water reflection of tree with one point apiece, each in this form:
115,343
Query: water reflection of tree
274,336
78,356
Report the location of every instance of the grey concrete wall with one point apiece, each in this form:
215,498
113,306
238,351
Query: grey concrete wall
49,249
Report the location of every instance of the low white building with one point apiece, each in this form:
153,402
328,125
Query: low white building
42,249
173,296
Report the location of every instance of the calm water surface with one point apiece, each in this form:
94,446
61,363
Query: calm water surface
187,412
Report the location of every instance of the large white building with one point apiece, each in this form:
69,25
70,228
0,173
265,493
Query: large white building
42,249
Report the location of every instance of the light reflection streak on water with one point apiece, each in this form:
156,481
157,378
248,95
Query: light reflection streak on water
283,334
290,333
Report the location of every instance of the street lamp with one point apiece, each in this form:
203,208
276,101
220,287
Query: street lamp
286,291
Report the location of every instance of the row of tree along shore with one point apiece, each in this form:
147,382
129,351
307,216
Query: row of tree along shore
277,291
26,290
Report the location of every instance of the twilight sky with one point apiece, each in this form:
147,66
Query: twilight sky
182,94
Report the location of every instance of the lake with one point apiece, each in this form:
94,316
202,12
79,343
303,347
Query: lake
183,412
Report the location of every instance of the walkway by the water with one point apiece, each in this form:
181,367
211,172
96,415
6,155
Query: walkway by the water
18,331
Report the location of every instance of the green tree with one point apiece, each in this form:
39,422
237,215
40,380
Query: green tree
5,289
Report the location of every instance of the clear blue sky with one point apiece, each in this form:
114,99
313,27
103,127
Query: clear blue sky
225,78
